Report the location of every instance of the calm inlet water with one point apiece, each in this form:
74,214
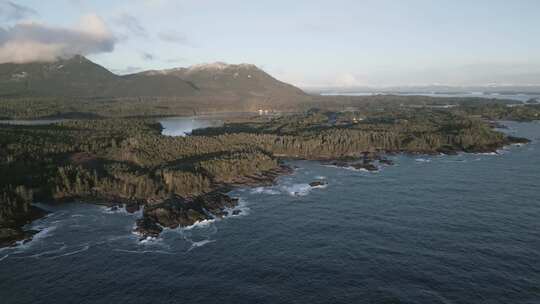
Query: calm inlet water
446,229
182,126
519,97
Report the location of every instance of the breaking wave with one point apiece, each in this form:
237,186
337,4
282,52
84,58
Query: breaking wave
297,189
200,244
264,190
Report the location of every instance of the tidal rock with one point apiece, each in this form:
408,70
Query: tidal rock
318,183
386,161
132,208
365,166
517,140
148,228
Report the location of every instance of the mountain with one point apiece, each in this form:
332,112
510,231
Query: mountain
222,78
80,77
238,87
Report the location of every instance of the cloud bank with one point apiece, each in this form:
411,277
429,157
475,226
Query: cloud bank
29,42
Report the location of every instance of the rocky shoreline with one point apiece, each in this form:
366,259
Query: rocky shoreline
177,211
183,212
172,212
16,234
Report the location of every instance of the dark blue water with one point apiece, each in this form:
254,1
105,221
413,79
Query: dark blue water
450,229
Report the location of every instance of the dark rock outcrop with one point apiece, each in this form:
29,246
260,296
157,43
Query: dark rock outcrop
386,161
365,166
146,227
318,183
12,230
362,165
182,212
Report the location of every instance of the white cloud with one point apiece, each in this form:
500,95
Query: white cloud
27,42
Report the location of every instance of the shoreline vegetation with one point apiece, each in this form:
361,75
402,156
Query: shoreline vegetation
183,180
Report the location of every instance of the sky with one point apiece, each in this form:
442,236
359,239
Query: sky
337,43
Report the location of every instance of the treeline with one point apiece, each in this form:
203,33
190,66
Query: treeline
12,107
527,112
332,135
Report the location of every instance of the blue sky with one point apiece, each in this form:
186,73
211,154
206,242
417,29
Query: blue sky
313,43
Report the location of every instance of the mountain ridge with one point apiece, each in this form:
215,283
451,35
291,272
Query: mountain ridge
81,78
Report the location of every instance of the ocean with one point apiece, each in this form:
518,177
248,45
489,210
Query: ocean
430,229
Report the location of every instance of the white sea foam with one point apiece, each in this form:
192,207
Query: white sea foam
488,154
350,168
242,207
4,257
43,233
48,252
119,210
83,249
143,251
320,186
297,189
264,190
149,240
200,244
200,224
423,160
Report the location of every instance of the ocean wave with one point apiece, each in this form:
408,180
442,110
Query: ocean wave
199,244
48,252
264,190
319,186
43,233
488,153
297,189
423,160
198,224
120,237
4,257
56,253
83,249
149,240
143,251
350,168
121,210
